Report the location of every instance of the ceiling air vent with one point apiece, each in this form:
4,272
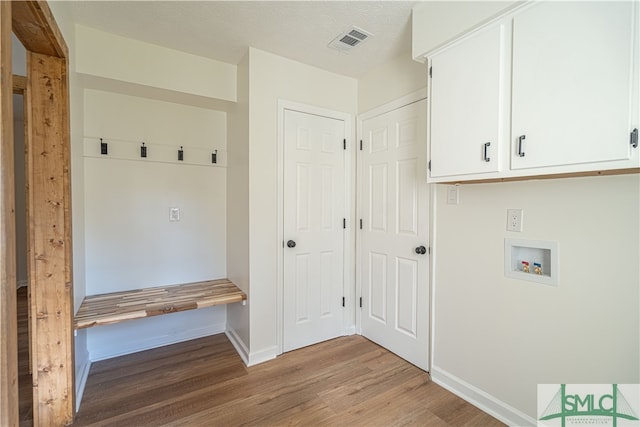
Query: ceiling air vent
349,39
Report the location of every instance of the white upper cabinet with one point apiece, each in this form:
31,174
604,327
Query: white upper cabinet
467,98
552,86
572,82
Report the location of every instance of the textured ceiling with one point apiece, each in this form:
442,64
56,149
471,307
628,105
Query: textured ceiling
223,30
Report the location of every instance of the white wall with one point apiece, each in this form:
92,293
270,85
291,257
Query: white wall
110,56
118,339
130,242
390,81
271,78
238,209
436,22
504,336
18,57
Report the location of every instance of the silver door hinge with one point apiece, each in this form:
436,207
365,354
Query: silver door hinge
343,301
344,222
429,164
344,144
360,302
634,138
360,145
360,223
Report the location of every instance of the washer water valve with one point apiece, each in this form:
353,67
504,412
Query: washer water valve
537,268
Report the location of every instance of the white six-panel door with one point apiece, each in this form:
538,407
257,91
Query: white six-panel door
313,214
394,211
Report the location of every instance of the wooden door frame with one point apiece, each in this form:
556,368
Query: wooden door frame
49,222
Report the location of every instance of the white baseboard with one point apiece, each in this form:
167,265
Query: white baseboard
104,353
239,345
262,355
82,373
248,358
489,404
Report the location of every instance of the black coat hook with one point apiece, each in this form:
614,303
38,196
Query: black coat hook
143,151
181,154
104,149
214,156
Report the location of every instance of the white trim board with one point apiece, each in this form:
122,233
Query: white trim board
238,344
410,98
264,355
82,374
483,400
432,270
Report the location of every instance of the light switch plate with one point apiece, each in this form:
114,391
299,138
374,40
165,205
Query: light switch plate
452,195
174,214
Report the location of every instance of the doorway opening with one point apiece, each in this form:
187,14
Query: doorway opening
25,383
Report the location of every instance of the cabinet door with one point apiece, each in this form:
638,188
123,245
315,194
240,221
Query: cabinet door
467,87
572,80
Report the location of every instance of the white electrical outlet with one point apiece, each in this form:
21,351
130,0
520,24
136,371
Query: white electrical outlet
514,220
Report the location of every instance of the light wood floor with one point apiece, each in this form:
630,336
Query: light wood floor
343,382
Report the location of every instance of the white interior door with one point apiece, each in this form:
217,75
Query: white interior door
314,211
395,214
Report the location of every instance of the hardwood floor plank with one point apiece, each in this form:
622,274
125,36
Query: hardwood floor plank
456,411
392,407
134,391
368,386
247,392
163,355
343,382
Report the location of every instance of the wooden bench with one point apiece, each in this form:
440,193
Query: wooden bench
116,307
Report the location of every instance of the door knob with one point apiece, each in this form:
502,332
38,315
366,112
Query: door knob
421,250
291,244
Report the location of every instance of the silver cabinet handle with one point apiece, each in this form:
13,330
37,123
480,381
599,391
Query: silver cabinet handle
520,139
485,153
